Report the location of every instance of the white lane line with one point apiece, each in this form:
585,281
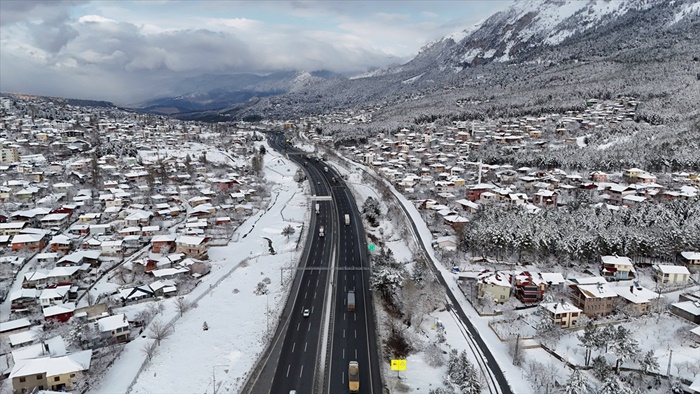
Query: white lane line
288,367
302,370
305,345
294,345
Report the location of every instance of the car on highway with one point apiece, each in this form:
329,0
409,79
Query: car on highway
306,313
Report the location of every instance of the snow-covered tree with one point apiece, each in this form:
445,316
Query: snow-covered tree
649,362
600,368
576,383
613,385
588,340
462,375
288,231
624,346
371,210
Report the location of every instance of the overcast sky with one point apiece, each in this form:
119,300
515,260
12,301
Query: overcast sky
126,51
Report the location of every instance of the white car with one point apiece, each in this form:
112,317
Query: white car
306,313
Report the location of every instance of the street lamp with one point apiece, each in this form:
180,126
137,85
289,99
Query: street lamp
213,374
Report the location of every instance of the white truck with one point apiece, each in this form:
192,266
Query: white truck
347,219
325,169
318,207
320,231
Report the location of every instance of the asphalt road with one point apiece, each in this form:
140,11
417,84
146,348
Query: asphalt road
293,362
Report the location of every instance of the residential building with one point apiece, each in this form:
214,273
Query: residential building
49,373
595,299
114,328
563,314
637,300
616,268
191,246
671,275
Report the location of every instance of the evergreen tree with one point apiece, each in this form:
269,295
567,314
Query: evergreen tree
576,384
588,340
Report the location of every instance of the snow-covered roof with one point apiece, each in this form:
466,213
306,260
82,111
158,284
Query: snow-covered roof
53,366
691,255
557,307
59,309
616,260
14,324
598,290
56,347
110,323
190,240
692,307
672,269
636,295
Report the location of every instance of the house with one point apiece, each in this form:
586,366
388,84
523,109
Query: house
60,313
164,288
61,243
54,295
49,373
496,284
545,197
691,258
638,299
28,241
562,314
672,275
12,228
474,192
135,294
46,258
689,310
16,325
528,288
112,247
54,220
595,299
616,268
192,246
35,279
114,328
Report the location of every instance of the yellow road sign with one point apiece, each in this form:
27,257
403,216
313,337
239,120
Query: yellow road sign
398,365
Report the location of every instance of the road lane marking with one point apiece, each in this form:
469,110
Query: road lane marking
343,354
304,295
294,345
302,370
355,334
298,325
343,333
305,345
309,327
314,294
288,368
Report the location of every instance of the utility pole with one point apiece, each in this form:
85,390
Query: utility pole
515,353
668,369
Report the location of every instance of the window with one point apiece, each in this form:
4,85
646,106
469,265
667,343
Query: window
39,377
72,375
22,379
56,378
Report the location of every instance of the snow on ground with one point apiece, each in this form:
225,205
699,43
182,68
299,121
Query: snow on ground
190,358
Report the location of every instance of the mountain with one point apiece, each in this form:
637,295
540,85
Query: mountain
533,56
212,91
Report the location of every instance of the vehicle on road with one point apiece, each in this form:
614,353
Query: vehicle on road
325,169
306,313
354,376
347,219
318,207
321,231
351,300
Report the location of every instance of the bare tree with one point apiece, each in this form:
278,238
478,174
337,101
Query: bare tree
159,331
149,349
182,305
288,231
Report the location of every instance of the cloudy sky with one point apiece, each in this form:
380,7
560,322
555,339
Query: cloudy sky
126,51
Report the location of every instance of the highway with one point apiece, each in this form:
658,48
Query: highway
295,359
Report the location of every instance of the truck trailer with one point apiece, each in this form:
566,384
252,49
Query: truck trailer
347,219
351,300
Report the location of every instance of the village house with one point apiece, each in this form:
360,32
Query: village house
637,299
114,328
28,241
615,268
562,314
496,284
691,258
688,310
191,246
671,275
59,313
49,373
594,298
